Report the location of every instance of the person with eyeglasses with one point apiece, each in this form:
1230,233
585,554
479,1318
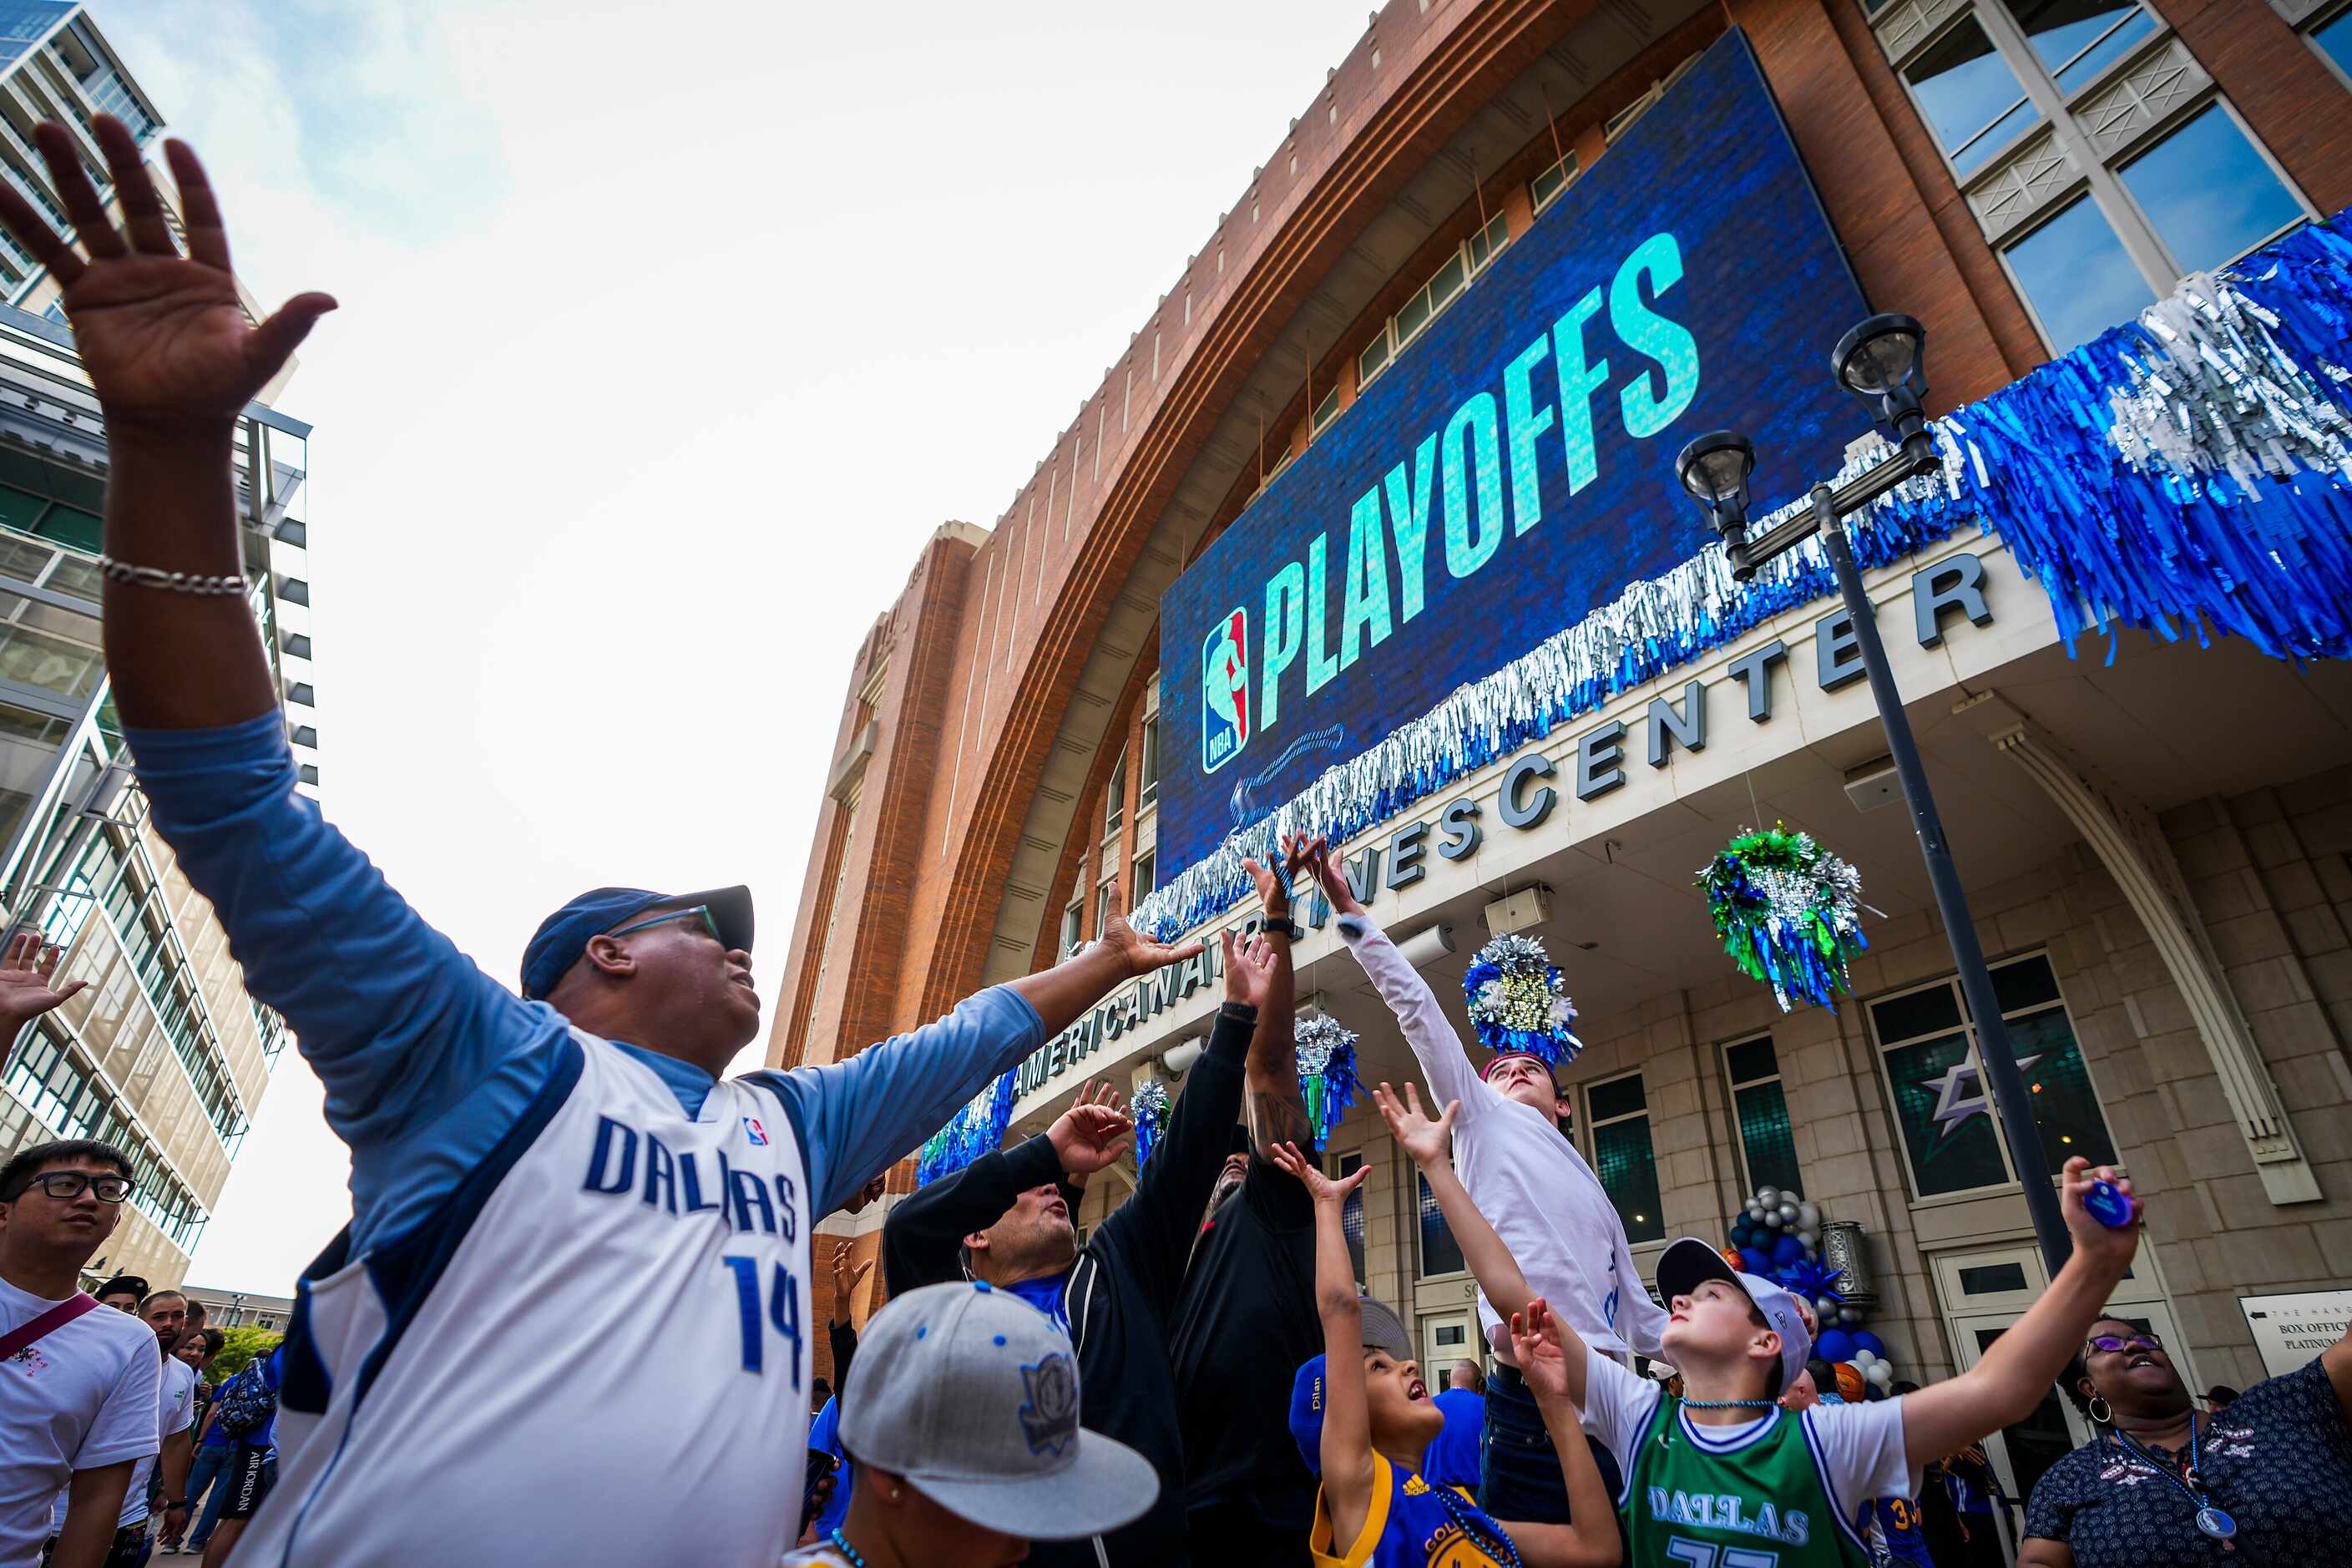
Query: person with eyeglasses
79,1406
2162,1484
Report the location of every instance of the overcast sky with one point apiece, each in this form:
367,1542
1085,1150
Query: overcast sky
667,335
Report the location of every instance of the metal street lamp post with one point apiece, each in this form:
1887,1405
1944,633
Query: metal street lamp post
1879,361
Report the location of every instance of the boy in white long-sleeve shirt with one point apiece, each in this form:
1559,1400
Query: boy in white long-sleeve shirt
1518,1164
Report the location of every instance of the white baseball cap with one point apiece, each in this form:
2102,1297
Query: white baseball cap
972,1396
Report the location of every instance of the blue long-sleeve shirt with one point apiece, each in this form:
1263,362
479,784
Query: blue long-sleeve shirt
427,1061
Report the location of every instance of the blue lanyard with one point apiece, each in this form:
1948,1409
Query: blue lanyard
2210,1520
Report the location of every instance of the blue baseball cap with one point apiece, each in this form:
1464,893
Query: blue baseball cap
563,936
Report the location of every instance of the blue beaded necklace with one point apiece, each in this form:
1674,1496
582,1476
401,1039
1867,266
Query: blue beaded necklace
841,1544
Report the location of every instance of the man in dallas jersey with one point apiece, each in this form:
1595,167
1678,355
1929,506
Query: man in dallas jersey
544,1187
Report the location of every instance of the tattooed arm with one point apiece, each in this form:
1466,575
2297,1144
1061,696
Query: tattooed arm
1273,1105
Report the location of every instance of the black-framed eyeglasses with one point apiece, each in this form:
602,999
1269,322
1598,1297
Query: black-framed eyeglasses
694,911
109,1187
2114,1342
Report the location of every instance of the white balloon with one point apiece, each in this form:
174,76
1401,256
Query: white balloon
1808,1215
1812,1242
1772,1218
1880,1372
1788,1214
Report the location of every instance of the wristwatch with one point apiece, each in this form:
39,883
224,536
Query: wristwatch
1283,925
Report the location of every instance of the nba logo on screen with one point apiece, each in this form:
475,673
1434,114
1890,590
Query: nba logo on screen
1224,692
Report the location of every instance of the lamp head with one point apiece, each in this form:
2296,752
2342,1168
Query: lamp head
1713,469
1879,361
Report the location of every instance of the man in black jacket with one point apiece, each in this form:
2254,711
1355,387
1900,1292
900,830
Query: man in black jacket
1005,1219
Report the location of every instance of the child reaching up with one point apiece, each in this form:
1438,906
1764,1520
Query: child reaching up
1722,1474
1362,1418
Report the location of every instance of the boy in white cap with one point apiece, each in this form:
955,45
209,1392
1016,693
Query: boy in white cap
1542,1198
1723,1474
963,1420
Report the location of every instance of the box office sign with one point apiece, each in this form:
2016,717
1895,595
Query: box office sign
2290,1329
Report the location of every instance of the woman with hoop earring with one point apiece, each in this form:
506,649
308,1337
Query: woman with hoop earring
2267,1481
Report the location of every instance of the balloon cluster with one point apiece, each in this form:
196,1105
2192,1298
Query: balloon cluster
1778,1237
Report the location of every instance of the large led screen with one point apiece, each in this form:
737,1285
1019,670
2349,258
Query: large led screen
1512,469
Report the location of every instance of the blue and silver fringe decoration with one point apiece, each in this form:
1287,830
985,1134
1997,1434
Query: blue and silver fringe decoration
1518,1001
970,1132
1326,1071
1788,911
1149,1110
2186,472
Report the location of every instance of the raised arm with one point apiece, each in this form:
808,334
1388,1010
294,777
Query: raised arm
2018,1368
864,1114
1274,1106
1347,1444
1439,1050
1430,1144
1590,1540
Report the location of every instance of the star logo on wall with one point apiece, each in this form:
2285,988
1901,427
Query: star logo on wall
1960,1093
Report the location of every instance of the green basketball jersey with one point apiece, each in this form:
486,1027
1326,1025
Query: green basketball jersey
1759,1505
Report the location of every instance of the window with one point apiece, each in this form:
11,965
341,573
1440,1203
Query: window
1968,96
1115,796
1444,286
1440,1253
1551,182
1352,1214
2075,276
1623,120
2208,194
1617,1111
2333,38
1073,926
1943,1107
1147,873
1753,1070
1147,786
2077,40
1102,904
1326,410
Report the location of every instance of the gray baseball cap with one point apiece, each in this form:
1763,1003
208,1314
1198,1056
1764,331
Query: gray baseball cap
1691,1262
972,1396
1383,1330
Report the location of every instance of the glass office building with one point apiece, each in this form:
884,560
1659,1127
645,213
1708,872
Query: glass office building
163,1055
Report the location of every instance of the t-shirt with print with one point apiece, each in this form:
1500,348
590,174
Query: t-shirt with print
175,1412
1791,1485
81,1397
1411,1524
2278,1461
821,1555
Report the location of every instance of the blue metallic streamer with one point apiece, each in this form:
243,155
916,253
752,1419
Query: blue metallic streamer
970,1132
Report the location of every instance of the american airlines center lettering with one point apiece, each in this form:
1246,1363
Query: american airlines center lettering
1510,468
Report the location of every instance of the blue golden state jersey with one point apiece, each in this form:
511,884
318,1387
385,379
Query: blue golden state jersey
1412,1524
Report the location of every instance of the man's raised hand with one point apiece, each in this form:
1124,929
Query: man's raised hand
1249,969
1428,1142
26,977
1140,954
847,1279
161,335
1092,1133
1315,856
1320,1188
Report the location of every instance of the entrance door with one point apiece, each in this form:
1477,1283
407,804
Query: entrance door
1445,1338
1983,1293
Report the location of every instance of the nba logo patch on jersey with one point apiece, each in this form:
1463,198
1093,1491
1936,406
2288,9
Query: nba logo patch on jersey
1224,692
758,1134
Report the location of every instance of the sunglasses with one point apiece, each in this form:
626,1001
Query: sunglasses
699,911
110,1188
2113,1342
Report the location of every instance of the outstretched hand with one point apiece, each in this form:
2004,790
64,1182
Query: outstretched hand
26,976
161,335
1315,856
847,1279
1429,1142
1092,1133
1249,970
1139,953
2110,1248
1535,1347
1320,1188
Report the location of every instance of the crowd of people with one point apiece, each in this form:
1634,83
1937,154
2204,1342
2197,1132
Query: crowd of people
571,1319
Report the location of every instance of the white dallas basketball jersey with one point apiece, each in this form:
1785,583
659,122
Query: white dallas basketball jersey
596,1352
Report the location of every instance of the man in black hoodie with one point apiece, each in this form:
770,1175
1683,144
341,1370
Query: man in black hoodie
1005,1219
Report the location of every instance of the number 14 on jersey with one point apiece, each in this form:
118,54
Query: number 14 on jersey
782,1309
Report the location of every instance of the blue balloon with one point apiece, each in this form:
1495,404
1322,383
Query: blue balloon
1743,1234
1755,1262
1865,1340
1834,1345
1787,1250
1871,1390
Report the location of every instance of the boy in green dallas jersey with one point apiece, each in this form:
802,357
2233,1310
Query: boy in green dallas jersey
1723,1477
